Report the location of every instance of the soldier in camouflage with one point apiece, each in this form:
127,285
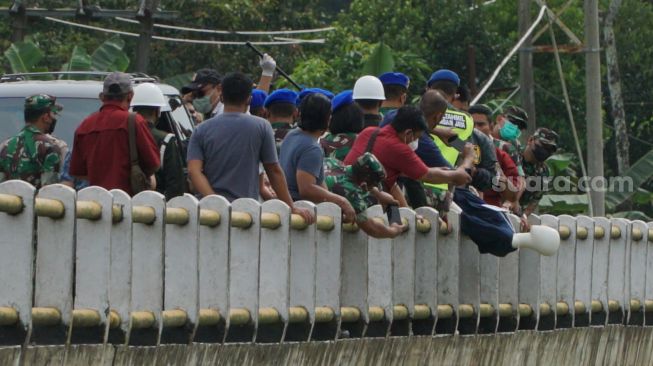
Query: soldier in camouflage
360,186
33,155
540,147
346,123
506,130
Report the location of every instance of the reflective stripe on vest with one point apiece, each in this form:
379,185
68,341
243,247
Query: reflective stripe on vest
162,149
463,125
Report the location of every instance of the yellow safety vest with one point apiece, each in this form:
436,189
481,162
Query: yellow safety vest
462,124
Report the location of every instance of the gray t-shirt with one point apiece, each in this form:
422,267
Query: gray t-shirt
300,151
231,145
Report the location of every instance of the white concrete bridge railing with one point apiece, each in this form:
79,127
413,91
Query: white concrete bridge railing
101,267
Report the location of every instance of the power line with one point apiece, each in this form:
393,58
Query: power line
217,31
285,41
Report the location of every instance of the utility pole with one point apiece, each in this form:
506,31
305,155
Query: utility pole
18,20
526,80
593,103
146,17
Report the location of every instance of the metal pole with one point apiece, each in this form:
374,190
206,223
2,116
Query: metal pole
593,103
145,16
526,80
18,20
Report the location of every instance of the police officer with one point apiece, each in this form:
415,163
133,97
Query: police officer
395,88
540,147
256,107
358,185
369,94
282,113
33,155
149,102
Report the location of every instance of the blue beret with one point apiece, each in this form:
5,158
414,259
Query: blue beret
444,74
342,99
281,96
394,78
308,91
258,97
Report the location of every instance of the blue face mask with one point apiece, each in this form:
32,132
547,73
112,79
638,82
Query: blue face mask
509,131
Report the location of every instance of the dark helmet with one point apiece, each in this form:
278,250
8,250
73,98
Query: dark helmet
369,169
517,116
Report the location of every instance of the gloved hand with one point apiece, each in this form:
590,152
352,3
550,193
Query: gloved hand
268,65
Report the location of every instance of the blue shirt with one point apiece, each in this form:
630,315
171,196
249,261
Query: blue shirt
301,151
426,150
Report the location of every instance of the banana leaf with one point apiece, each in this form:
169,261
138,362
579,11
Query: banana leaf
109,56
380,60
639,173
23,56
79,61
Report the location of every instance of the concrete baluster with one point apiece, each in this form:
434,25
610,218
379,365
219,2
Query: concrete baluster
92,267
648,290
530,283
637,273
469,284
426,270
121,264
583,273
353,285
274,275
489,293
244,271
600,265
181,276
508,307
448,263
403,276
16,261
214,231
302,278
379,279
55,263
327,273
566,271
148,233
548,282
618,282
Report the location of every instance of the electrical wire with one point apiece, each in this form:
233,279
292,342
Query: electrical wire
216,31
288,41
510,54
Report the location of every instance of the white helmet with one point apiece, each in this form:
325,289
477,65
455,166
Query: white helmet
368,87
149,95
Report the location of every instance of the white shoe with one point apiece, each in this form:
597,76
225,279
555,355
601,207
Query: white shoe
542,239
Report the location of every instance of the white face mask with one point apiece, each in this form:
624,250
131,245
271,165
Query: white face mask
413,145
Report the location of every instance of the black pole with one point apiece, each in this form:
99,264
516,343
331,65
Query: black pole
281,72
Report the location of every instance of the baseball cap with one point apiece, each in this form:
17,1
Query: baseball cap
117,83
446,75
394,78
202,77
546,137
41,102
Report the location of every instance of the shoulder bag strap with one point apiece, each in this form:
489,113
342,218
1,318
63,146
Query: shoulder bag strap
133,153
372,140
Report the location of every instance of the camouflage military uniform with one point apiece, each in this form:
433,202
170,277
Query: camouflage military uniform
534,192
280,129
514,150
367,166
31,156
338,146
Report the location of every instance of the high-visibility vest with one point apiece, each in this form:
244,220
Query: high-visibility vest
463,125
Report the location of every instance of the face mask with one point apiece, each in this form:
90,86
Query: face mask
203,104
509,131
413,145
52,126
540,153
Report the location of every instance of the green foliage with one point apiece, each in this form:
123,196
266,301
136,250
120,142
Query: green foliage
109,56
379,61
24,56
640,173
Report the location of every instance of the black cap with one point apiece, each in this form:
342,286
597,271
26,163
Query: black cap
517,116
202,77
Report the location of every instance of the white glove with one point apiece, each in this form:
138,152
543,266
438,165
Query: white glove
268,65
